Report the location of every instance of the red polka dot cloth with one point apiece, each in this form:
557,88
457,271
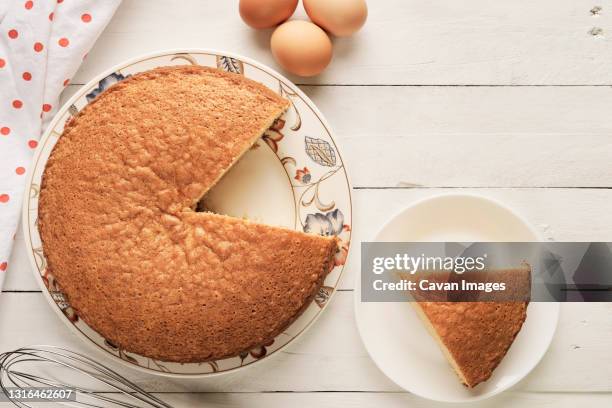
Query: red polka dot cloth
42,44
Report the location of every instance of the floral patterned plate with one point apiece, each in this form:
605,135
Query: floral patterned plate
293,177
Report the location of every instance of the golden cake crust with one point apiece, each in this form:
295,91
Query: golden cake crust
122,239
476,336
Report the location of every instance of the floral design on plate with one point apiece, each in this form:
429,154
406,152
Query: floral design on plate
329,224
323,295
230,64
104,84
303,175
302,144
320,151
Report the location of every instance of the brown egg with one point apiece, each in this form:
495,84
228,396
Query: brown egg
301,47
339,17
266,13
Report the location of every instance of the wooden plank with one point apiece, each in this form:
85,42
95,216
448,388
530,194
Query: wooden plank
404,41
368,400
331,357
559,214
470,136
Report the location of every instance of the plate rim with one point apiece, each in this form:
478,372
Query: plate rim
38,152
357,301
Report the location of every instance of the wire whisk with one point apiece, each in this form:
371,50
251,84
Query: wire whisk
95,384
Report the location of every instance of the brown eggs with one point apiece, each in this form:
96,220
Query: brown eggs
266,13
339,17
301,47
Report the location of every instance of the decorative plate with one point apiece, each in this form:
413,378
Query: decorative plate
293,176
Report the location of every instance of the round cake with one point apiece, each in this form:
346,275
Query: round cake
123,240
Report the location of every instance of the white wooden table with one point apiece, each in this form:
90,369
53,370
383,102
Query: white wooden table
511,100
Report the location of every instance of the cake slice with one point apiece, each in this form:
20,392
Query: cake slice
123,240
475,336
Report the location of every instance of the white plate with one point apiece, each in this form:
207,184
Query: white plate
293,177
398,341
